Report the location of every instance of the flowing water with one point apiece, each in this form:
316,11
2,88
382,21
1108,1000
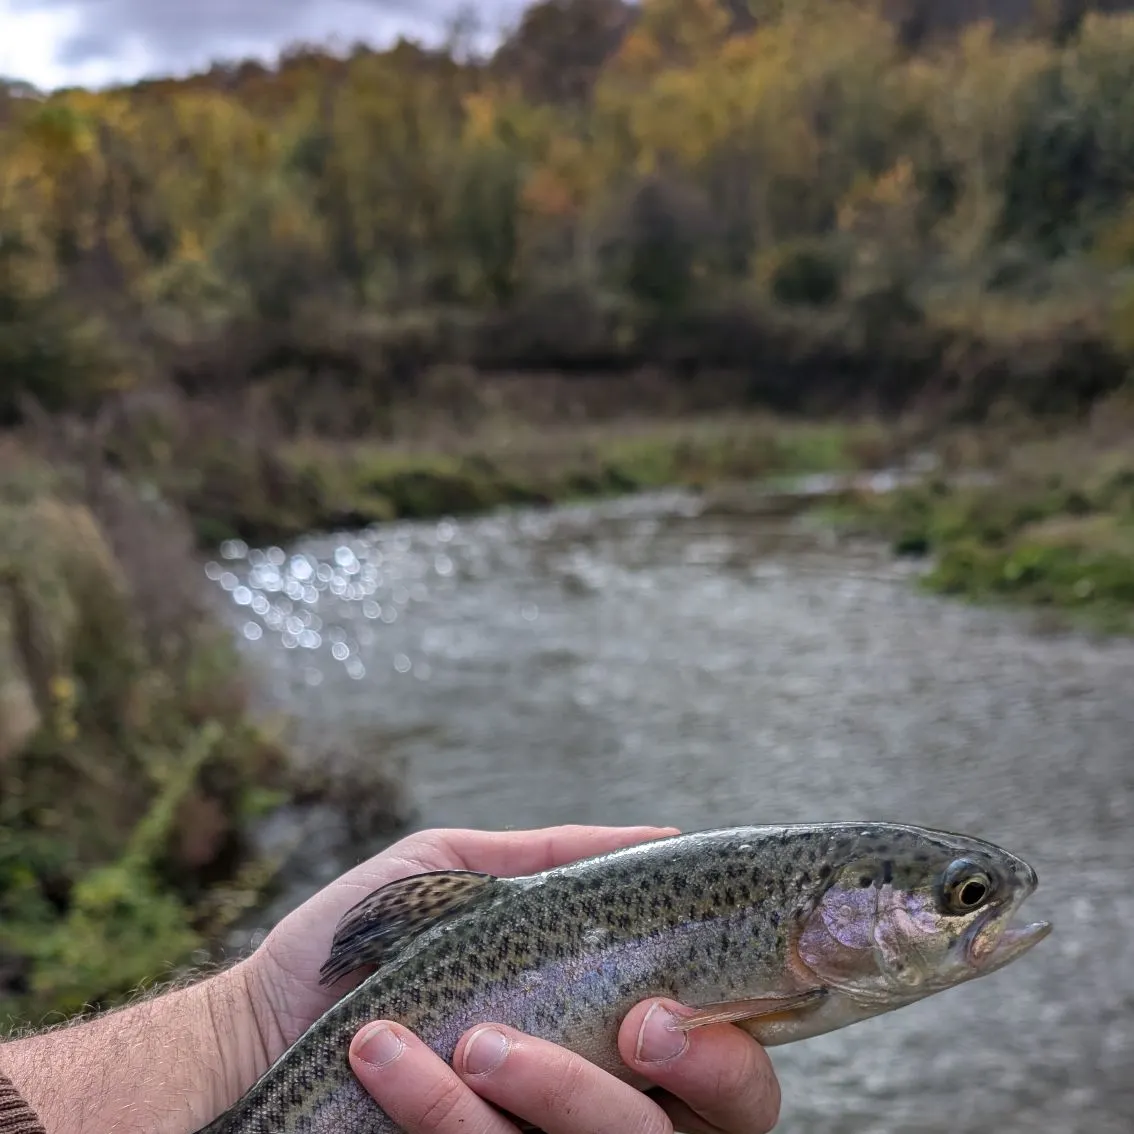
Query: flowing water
645,661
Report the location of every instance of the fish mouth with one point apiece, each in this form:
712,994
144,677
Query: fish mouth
992,942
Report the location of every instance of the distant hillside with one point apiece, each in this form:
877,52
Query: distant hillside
559,46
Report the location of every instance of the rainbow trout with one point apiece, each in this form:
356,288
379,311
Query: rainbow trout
789,932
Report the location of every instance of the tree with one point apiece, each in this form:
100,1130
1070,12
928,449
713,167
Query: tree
560,46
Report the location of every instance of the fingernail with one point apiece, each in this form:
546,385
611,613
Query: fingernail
380,1045
658,1038
485,1051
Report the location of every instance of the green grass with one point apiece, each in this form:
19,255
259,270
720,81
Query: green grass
319,485
1054,529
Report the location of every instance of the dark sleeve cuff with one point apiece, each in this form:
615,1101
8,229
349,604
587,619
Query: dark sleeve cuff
16,1117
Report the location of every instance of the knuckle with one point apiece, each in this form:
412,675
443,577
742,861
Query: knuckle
566,1087
424,851
654,1120
430,844
741,1078
770,1114
738,1090
750,1087
572,1091
438,1104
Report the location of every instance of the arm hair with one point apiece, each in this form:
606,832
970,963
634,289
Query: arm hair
167,1063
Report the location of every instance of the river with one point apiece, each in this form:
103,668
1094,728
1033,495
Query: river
646,661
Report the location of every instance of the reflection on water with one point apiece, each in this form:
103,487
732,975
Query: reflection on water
642,662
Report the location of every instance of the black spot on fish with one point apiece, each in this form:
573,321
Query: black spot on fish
887,872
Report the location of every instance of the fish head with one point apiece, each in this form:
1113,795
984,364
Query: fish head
904,919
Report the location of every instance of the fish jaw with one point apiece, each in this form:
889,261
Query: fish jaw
1013,943
992,941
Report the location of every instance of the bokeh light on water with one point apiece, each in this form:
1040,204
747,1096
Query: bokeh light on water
331,600
359,606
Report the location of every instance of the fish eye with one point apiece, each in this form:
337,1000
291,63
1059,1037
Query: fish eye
965,887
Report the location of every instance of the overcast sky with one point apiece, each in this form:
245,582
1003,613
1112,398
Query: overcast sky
93,42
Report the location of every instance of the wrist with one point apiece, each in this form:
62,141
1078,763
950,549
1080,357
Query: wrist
167,1065
243,1030
254,1037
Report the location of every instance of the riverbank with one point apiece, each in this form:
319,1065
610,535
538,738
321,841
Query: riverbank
1042,521
317,484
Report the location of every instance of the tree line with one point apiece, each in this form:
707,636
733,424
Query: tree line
800,167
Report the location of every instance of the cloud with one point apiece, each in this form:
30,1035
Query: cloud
58,41
85,46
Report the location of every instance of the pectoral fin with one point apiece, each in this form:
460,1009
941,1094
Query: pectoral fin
385,921
735,1011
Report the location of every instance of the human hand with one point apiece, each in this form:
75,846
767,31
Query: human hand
714,1080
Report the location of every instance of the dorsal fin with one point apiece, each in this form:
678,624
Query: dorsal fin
386,920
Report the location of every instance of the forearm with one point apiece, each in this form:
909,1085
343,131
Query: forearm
166,1065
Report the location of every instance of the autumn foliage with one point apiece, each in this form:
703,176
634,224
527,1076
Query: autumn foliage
792,189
